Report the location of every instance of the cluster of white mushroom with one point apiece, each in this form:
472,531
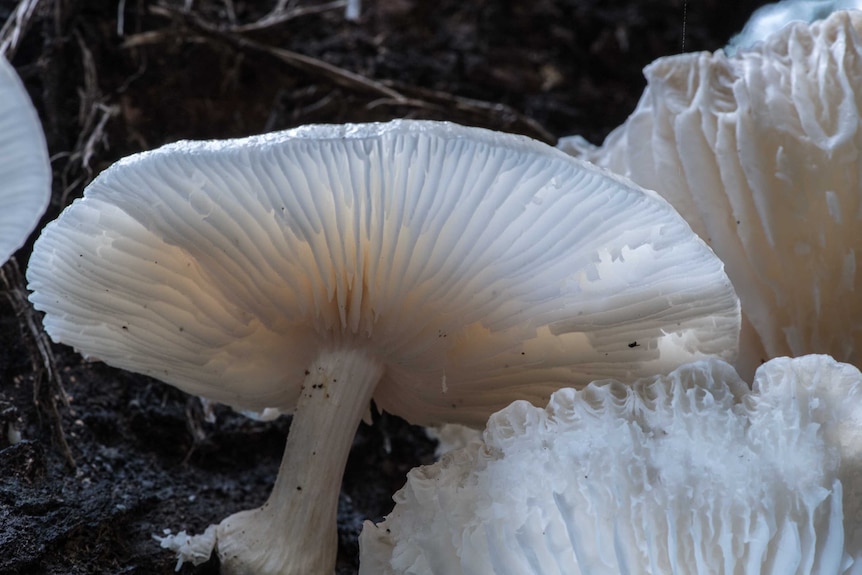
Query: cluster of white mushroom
691,473
446,272
759,153
695,472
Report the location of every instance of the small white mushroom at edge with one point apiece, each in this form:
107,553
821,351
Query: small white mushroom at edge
25,171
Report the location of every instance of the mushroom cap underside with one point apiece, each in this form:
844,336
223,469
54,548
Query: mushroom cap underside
479,267
687,473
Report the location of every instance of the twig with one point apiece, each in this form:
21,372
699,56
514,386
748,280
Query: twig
230,10
351,12
91,136
438,100
389,93
93,117
283,6
307,64
121,17
283,14
16,27
41,356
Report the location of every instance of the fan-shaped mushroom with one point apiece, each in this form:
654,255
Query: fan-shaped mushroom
760,153
25,172
689,473
443,271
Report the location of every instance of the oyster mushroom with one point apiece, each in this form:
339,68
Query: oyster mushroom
760,153
25,171
687,473
442,271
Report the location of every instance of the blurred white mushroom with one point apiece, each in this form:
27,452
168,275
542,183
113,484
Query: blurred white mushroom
352,10
691,473
771,18
760,153
25,172
443,271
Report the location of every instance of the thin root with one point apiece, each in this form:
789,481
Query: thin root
46,397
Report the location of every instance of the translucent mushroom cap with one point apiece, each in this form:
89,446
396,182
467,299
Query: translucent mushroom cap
477,266
687,473
25,172
760,153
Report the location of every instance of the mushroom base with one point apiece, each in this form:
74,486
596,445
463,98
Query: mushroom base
294,532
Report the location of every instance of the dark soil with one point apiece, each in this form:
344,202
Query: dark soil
111,458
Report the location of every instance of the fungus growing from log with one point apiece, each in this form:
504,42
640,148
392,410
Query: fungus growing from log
25,171
443,271
687,473
760,153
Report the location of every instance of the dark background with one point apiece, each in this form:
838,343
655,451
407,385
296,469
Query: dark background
108,458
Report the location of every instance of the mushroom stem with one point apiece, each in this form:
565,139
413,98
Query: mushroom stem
294,531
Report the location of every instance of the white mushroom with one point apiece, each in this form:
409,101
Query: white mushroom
25,172
760,153
443,271
770,18
691,473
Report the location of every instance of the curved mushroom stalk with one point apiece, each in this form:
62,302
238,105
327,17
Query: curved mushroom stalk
292,531
688,473
458,267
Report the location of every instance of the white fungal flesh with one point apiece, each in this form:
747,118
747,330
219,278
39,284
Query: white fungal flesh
293,532
760,153
691,473
770,18
194,549
25,172
505,265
